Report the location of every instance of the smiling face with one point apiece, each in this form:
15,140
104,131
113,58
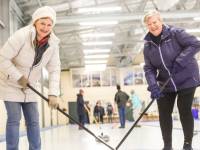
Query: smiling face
43,27
154,24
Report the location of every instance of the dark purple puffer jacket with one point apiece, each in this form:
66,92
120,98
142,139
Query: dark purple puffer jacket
176,46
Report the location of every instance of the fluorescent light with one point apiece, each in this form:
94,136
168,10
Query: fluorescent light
96,56
97,35
138,31
99,9
142,64
61,7
193,30
98,23
102,61
90,51
97,43
2,24
196,18
96,67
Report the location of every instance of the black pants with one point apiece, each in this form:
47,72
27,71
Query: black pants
81,119
165,107
99,118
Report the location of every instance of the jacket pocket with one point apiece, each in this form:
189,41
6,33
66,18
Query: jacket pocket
181,77
12,82
188,72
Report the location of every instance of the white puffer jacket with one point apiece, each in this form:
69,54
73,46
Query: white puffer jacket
16,59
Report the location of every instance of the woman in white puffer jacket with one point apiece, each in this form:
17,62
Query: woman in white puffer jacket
22,58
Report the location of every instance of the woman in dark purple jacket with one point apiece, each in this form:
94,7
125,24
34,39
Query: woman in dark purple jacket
169,53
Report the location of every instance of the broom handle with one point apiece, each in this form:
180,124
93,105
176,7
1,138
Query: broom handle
142,114
71,118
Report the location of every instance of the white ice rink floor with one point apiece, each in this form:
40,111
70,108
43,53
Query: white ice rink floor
148,137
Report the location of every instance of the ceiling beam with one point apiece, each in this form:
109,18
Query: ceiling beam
14,8
39,3
2,24
125,16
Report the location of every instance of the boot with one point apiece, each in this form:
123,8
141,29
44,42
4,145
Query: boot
167,145
187,146
167,148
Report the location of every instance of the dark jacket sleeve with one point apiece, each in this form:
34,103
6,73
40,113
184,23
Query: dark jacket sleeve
116,98
102,111
80,101
95,112
150,71
190,46
127,97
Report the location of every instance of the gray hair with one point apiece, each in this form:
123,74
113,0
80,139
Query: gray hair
150,14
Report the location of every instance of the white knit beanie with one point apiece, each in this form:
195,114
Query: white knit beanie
43,12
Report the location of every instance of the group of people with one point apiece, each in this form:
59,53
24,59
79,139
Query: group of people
122,99
84,111
169,55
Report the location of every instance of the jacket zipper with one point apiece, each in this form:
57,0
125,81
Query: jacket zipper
27,79
29,75
167,69
31,70
160,53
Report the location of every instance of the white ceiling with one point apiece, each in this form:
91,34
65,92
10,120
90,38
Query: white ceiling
126,48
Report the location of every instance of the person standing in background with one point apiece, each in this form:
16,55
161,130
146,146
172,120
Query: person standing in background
22,58
81,108
99,112
169,53
136,106
109,110
121,99
87,112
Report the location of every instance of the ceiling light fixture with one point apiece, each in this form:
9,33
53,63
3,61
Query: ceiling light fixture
193,30
97,43
196,18
96,56
97,35
90,51
99,9
96,67
102,61
61,7
98,23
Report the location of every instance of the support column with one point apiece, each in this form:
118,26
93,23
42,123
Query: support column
4,21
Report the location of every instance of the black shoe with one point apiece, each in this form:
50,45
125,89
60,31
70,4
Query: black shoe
187,146
165,148
80,128
121,127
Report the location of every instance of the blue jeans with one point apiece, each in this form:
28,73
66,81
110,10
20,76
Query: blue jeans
122,115
31,115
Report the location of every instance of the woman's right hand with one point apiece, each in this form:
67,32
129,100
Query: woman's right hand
23,82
